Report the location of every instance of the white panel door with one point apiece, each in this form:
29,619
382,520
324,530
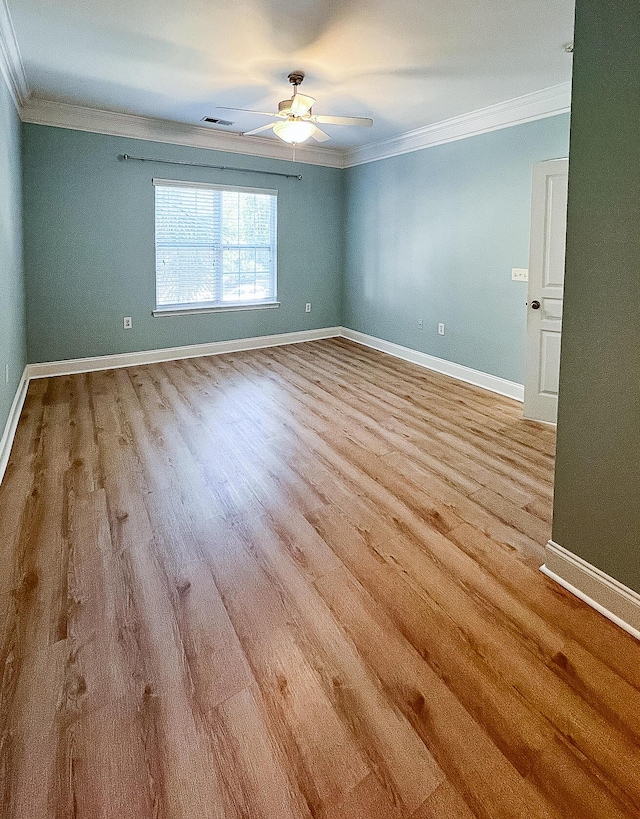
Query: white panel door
546,282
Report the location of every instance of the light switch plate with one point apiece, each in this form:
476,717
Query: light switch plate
519,274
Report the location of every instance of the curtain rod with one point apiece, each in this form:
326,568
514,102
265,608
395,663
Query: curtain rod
214,167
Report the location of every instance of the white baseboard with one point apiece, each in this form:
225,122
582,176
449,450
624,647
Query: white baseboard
605,594
600,591
6,442
110,362
479,379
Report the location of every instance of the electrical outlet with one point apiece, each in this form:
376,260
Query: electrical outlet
420,324
440,329
519,274
127,323
307,307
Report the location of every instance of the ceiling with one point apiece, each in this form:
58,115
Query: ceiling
407,64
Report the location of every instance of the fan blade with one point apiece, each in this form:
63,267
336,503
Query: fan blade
300,105
363,122
258,130
247,111
320,136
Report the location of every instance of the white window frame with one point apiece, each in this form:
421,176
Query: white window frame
217,307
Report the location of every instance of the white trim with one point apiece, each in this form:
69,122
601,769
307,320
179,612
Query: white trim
94,120
109,362
160,312
180,183
6,442
540,104
11,66
493,383
599,590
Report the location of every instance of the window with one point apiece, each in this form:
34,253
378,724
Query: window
215,247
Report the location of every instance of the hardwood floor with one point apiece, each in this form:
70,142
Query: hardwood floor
297,582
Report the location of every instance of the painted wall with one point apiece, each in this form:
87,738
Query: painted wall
597,495
433,235
89,245
430,235
12,320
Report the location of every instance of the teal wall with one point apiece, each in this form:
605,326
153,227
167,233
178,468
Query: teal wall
89,245
433,235
12,320
597,495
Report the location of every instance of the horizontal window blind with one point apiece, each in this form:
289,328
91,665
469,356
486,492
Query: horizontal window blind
215,246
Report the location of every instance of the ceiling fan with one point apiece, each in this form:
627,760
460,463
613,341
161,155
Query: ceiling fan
296,121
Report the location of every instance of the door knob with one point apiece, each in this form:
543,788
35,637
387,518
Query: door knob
535,305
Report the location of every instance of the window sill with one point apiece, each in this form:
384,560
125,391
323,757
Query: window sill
225,308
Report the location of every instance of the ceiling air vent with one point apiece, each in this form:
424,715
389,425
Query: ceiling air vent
216,121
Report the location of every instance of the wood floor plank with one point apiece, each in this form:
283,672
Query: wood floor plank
387,741
597,636
255,777
581,726
351,461
97,665
30,764
324,759
444,803
368,800
177,749
16,494
467,755
31,647
514,723
103,768
450,416
297,583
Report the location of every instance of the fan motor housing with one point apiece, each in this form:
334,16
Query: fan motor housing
284,107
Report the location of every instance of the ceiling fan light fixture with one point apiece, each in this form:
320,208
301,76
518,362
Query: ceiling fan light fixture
297,120
294,131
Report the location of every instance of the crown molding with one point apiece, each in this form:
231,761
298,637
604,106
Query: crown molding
11,65
94,120
538,105
530,107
